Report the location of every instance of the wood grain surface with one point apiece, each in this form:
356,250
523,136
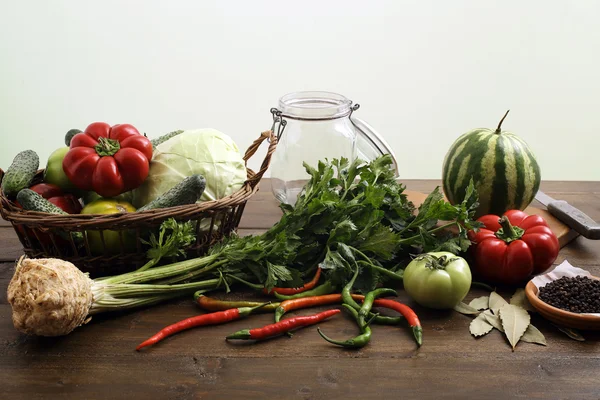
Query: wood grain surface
98,361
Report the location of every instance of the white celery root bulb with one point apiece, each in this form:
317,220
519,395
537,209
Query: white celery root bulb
52,297
49,297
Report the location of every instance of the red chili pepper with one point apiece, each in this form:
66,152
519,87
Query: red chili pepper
200,320
281,327
210,304
306,302
407,312
289,291
281,291
510,249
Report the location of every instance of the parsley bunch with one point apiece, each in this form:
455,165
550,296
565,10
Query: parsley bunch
349,215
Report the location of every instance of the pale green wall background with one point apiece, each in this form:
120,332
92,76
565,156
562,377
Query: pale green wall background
423,71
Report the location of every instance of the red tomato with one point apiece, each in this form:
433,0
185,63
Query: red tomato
47,190
68,203
54,194
108,160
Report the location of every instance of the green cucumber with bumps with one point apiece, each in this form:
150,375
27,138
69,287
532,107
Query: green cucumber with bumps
70,134
21,172
165,137
188,191
33,201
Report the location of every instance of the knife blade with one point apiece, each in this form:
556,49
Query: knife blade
571,216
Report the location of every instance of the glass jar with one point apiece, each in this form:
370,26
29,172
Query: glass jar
314,126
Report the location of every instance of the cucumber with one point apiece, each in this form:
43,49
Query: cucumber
32,201
188,191
70,134
164,138
20,173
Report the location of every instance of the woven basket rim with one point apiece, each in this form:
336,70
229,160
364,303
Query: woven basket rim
16,215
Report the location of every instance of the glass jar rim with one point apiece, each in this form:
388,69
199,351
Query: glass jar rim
315,105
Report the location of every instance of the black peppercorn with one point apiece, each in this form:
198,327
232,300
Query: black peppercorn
579,294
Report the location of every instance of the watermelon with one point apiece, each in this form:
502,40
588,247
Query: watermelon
504,169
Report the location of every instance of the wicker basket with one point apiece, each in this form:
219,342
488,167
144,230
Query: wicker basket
51,235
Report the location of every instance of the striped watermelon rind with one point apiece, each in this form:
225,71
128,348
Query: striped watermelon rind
505,171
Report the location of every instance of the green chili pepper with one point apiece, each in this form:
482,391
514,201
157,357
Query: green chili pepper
356,342
325,288
365,309
347,299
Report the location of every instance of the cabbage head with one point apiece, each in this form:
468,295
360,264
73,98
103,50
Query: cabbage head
207,152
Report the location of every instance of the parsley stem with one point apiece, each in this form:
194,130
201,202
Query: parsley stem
383,271
439,228
377,268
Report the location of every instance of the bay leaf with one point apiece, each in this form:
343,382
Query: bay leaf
515,321
480,303
570,332
496,302
533,335
520,299
479,326
466,309
493,320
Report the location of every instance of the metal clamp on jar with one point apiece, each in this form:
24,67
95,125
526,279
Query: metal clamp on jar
318,126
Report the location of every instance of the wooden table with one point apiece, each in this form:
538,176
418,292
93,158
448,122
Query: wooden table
99,360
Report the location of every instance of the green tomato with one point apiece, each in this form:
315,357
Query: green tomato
112,241
54,170
438,280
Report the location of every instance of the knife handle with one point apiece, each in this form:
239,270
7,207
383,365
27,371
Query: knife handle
575,218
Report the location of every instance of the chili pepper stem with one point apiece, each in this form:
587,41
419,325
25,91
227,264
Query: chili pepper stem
279,311
371,319
418,334
332,341
244,311
243,334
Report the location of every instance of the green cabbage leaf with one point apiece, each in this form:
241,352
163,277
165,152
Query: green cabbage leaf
207,152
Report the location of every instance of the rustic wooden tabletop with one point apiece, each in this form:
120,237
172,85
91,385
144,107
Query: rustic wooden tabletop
98,361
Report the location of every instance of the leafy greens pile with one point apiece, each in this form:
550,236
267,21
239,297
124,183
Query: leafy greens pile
349,215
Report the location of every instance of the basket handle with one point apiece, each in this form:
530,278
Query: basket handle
272,138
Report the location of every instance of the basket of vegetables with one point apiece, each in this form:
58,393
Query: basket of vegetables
112,199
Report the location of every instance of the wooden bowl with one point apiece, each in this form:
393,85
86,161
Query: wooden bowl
558,316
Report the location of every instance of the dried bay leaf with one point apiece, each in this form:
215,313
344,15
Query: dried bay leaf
496,302
480,303
466,309
479,326
520,299
533,335
515,321
493,320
